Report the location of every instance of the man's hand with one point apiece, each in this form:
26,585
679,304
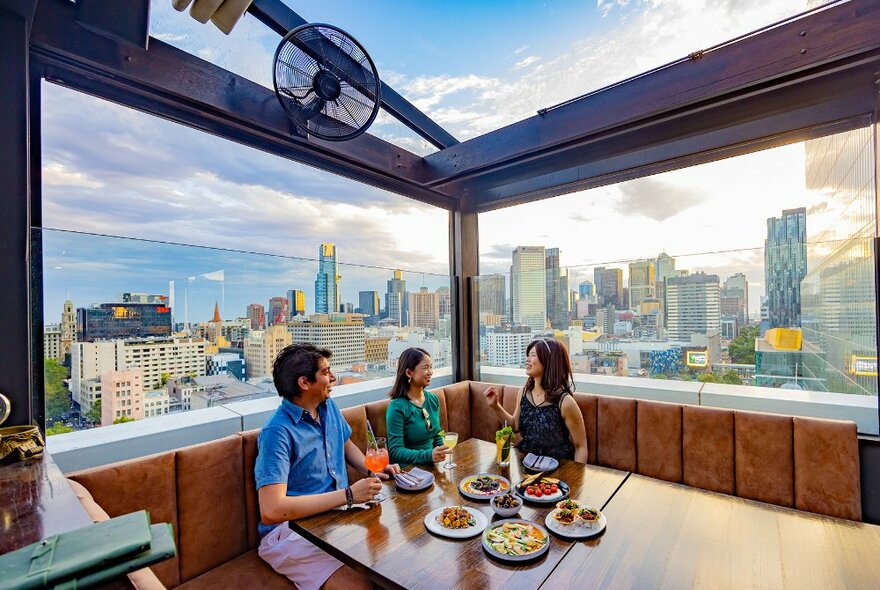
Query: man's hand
364,489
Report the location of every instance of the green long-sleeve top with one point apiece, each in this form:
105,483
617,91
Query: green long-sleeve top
409,440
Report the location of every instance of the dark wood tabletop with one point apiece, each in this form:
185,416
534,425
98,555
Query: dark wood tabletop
390,544
666,535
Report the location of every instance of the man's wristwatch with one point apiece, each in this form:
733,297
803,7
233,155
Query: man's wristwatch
349,497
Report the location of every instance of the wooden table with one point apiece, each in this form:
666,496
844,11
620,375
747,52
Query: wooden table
665,535
389,542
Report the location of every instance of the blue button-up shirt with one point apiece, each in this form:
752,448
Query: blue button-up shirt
294,449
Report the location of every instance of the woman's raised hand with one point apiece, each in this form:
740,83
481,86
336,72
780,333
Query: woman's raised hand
439,453
493,397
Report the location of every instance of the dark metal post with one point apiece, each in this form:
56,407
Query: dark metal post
15,345
464,259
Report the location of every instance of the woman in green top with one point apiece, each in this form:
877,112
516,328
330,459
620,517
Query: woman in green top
413,415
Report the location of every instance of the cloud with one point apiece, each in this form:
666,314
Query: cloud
527,62
656,199
519,50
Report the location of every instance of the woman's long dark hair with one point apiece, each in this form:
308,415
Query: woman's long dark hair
557,378
408,361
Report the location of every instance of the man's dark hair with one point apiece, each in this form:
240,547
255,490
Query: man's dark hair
293,362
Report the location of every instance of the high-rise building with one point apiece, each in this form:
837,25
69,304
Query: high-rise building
109,321
664,269
693,305
785,266
424,309
122,395
585,289
144,298
507,349
609,285
68,332
737,286
642,279
342,334
262,346
493,294
556,278
444,301
256,313
395,298
327,280
279,310
296,302
528,276
838,297
369,303
52,342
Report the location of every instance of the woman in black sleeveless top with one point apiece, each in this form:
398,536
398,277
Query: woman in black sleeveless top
546,414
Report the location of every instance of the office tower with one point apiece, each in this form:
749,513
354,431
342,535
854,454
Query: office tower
507,349
737,286
279,312
395,298
838,298
376,349
609,285
585,289
122,395
296,302
444,300
343,335
785,265
327,281
642,278
144,298
262,346
529,294
257,316
556,290
122,320
424,309
493,294
68,332
693,306
52,342
369,303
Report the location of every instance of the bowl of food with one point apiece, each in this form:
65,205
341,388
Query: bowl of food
568,504
506,505
588,517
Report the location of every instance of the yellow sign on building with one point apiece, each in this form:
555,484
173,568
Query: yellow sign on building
697,358
864,366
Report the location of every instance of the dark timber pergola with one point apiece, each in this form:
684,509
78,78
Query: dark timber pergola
800,79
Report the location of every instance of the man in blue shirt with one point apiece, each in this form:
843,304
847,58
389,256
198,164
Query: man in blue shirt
300,469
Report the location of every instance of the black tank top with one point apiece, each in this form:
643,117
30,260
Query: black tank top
543,429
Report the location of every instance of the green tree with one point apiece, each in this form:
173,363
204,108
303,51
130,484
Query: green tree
163,379
122,419
707,378
58,429
57,395
94,413
742,348
731,377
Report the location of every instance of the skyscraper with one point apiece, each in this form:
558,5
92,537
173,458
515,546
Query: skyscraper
256,313
556,290
395,298
737,286
642,278
327,280
609,285
493,293
368,302
785,265
279,310
693,305
444,301
122,320
296,302
585,289
528,277
424,309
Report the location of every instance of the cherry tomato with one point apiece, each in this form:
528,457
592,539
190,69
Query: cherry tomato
538,493
554,488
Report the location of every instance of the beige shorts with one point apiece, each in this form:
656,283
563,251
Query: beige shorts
290,555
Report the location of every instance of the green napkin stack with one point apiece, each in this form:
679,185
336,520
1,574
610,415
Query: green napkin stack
88,556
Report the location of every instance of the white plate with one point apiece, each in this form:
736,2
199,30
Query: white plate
425,485
574,531
472,531
477,496
503,556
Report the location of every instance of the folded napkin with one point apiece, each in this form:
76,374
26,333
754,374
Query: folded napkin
538,462
420,475
364,506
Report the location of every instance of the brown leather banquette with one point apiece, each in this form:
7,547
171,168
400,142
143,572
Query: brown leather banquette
207,491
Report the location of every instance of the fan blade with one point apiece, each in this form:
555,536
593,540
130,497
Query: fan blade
333,58
313,109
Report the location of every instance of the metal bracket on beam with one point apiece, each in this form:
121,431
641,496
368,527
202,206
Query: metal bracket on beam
281,18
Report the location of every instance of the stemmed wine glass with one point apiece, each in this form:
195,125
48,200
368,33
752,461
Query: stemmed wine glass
376,461
450,439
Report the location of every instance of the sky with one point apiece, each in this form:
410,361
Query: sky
473,67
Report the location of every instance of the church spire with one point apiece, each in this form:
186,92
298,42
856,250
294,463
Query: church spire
216,319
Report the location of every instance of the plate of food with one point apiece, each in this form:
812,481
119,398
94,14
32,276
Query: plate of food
456,522
542,490
578,522
515,539
483,486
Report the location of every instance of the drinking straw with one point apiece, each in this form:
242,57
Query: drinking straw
370,431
